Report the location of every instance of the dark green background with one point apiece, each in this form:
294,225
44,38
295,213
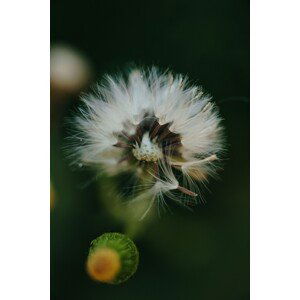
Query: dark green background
184,255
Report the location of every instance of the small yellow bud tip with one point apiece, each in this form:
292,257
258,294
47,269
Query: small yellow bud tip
104,265
52,196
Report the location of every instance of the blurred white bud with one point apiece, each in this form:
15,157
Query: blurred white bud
70,71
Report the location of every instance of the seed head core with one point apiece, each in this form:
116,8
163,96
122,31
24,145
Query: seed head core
147,151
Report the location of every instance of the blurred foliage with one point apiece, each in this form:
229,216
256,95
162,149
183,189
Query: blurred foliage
202,254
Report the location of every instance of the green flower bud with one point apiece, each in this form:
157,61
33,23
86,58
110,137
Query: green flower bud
113,258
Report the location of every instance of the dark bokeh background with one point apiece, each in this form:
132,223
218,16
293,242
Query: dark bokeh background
184,255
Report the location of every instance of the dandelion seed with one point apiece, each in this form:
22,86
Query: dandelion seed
151,124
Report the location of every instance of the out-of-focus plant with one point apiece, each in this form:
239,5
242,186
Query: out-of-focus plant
52,196
70,73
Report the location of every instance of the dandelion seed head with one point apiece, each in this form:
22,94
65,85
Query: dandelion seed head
154,125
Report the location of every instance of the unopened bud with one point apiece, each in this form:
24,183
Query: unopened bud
113,258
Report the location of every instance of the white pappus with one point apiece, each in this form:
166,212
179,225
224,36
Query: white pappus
155,125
